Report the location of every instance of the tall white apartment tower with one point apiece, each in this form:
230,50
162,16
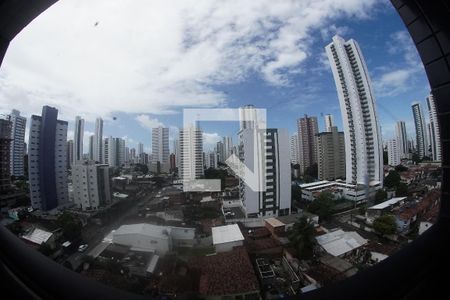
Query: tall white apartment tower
98,141
227,147
47,160
421,134
191,153
363,146
435,135
329,122
402,139
294,149
393,153
160,144
17,148
78,140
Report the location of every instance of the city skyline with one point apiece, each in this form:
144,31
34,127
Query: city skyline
306,87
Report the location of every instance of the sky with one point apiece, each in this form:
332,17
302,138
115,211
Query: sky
138,64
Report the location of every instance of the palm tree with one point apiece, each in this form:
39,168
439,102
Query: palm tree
302,238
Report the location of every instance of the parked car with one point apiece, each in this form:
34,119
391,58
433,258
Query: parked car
82,248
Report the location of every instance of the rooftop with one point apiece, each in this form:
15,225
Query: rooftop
37,236
161,232
274,222
226,234
387,203
339,242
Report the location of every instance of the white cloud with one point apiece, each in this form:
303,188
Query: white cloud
210,139
157,56
147,122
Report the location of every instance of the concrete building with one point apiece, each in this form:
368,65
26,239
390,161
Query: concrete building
17,149
227,147
294,149
172,162
393,153
69,150
421,134
340,243
225,238
329,122
220,152
160,144
176,151
308,128
133,155
402,139
339,189
47,159
91,185
211,160
78,140
363,146
435,135
98,141
331,154
5,146
191,153
91,147
276,199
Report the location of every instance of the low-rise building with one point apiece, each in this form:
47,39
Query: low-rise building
384,207
339,189
225,238
340,243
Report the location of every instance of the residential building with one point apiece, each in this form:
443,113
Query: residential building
227,147
308,129
133,155
91,185
70,149
331,154
17,149
160,144
435,135
421,134
191,153
98,141
363,146
78,140
341,243
47,159
220,152
176,151
276,199
5,148
211,160
91,147
329,122
294,149
172,162
393,153
140,153
402,139
225,238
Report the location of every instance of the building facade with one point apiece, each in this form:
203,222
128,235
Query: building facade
160,144
98,141
308,129
47,159
17,149
435,135
294,149
402,139
329,122
91,185
331,155
191,153
421,134
78,140
5,148
363,146
394,158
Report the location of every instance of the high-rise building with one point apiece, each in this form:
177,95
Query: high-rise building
276,199
133,155
191,153
140,153
363,146
91,147
91,185
329,122
70,148
220,152
331,154
17,150
127,155
160,144
435,135
307,140
172,162
421,134
47,159
114,151
211,160
402,139
176,151
78,140
98,141
294,149
227,147
393,153
5,150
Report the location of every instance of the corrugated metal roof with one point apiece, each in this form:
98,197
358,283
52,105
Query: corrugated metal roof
339,242
226,234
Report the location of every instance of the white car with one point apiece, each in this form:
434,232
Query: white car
82,248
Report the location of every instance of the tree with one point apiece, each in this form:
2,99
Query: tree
385,225
392,180
401,190
322,206
416,158
71,226
380,196
141,168
302,238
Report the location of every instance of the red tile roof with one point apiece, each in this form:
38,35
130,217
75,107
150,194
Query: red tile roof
225,273
420,208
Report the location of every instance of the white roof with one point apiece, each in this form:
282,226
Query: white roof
38,236
388,203
119,195
207,199
339,242
226,234
307,185
161,232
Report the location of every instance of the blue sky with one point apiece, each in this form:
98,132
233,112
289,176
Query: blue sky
144,62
